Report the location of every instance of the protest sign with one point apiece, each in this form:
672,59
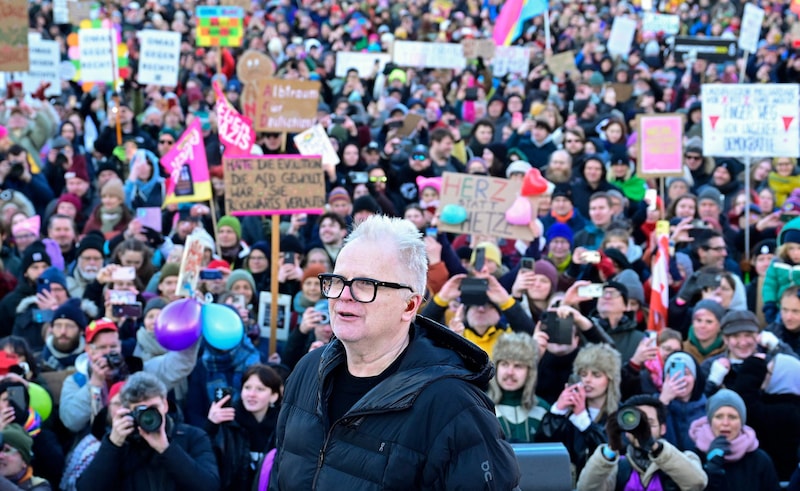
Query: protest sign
284,315
60,12
428,55
186,164
486,200
274,185
245,5
220,26
715,50
562,63
235,131
473,48
315,141
45,60
81,10
410,123
660,143
191,265
511,59
364,63
14,36
750,31
666,23
284,106
159,57
750,120
96,54
622,32
624,91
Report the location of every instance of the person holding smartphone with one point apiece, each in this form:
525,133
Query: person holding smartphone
683,397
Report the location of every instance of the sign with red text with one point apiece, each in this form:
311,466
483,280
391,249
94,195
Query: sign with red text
188,180
660,145
285,106
235,131
486,200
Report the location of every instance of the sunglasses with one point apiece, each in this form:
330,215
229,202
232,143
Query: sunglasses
378,178
419,157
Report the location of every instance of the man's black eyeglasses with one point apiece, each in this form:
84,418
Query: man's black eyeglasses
362,290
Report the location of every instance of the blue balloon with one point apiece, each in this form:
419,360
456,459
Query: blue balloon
222,327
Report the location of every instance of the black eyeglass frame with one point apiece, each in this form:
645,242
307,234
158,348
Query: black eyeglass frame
349,284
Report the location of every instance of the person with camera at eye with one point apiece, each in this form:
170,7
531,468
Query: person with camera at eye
648,461
16,173
147,450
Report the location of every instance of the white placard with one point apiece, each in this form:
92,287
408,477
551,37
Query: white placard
159,57
511,59
666,23
97,53
284,315
428,55
750,120
60,12
363,62
315,141
750,31
45,66
622,32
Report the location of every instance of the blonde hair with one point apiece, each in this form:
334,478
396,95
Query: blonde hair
783,251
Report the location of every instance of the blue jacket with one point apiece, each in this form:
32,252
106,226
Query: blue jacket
680,416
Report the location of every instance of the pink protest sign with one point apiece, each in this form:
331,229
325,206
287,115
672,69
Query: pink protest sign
235,131
187,167
660,145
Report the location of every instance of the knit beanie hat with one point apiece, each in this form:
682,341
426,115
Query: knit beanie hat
366,203
232,222
169,269
93,240
53,275
34,253
687,360
153,303
15,437
712,306
238,275
630,279
561,230
546,268
726,397
114,187
338,193
71,199
71,309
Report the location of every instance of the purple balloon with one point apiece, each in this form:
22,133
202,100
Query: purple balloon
178,324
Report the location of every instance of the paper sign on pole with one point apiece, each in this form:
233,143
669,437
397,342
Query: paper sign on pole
14,36
562,63
159,57
274,185
364,63
511,59
220,26
191,264
188,180
666,23
428,55
750,120
315,141
285,106
45,60
660,145
96,54
622,32
750,31
486,200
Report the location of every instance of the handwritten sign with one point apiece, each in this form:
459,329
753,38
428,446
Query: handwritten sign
666,23
82,10
315,141
750,32
274,185
622,32
235,131
363,63
473,48
159,57
14,36
96,54
660,145
60,12
562,63
428,55
188,180
284,106
45,60
486,200
220,26
511,59
191,264
245,5
750,120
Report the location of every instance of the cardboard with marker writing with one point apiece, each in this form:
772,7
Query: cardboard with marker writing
285,106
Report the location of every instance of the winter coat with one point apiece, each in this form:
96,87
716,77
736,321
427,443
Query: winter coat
680,416
782,186
582,191
405,432
625,336
751,472
9,304
538,154
792,339
781,274
590,237
28,326
32,484
580,443
187,464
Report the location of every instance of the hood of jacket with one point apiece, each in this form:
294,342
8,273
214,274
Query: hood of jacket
793,224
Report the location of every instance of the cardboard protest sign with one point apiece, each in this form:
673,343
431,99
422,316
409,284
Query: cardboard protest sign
750,31
428,55
220,26
186,164
315,141
364,63
511,59
666,23
96,54
245,5
660,140
624,91
45,59
562,63
14,36
235,131
159,57
486,200
284,106
750,120
274,185
410,123
81,10
191,265
622,31
474,48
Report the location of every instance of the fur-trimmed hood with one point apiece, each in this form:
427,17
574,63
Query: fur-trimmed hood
519,347
87,306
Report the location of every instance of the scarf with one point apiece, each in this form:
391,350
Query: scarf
109,218
148,346
696,343
231,254
563,218
33,424
563,265
226,368
702,436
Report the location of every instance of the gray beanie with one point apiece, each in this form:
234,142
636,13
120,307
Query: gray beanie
630,279
712,306
726,397
711,193
687,360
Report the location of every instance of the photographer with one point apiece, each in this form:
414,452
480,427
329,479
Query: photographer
16,174
649,462
147,450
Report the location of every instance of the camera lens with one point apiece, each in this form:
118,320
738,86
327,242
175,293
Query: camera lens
148,418
628,419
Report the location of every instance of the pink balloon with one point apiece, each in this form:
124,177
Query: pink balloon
74,53
178,325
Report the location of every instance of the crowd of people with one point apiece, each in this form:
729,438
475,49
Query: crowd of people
545,340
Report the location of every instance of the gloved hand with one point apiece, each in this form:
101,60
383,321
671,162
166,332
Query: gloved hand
770,310
690,288
768,340
718,372
614,433
643,435
720,447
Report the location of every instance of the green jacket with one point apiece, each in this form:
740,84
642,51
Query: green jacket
780,274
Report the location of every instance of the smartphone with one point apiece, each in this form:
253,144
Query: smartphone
288,258
480,259
394,125
677,366
471,94
595,290
653,336
787,217
221,392
358,177
119,297
432,232
239,301
516,118
17,396
591,257
662,228
42,316
527,263
210,274
150,217
129,310
650,197
124,273
42,286
559,331
473,291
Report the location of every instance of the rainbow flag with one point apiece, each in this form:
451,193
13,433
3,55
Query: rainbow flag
513,15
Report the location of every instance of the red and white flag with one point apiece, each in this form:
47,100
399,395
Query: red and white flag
659,286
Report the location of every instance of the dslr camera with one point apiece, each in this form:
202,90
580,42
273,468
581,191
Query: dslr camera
148,418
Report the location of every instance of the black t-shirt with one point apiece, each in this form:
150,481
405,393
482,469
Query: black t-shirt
348,390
